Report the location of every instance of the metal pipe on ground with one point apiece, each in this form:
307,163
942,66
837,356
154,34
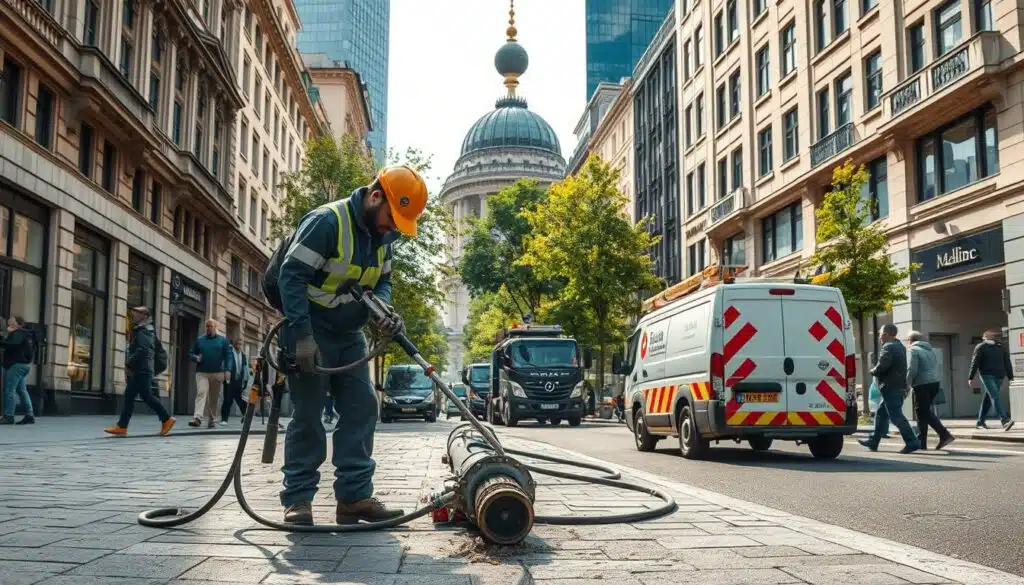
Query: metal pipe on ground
494,491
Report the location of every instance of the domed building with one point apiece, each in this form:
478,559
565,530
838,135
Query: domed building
506,144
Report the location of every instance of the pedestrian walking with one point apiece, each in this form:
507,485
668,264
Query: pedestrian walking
19,346
891,373
210,352
235,386
923,378
145,359
329,410
992,361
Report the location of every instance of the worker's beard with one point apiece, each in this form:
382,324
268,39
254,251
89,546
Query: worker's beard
370,217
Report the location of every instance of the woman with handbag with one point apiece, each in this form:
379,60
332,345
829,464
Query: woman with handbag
923,377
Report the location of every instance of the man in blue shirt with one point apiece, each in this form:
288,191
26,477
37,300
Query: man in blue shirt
210,353
341,242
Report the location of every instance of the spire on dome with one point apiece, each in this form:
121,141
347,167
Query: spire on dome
511,60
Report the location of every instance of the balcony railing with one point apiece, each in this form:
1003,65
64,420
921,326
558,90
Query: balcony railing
39,19
981,50
832,144
726,206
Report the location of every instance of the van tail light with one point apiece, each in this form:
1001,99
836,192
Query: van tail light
781,292
851,379
717,376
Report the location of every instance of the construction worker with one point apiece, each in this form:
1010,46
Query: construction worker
340,242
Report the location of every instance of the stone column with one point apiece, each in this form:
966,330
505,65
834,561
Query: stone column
143,47
190,109
57,312
1013,249
112,25
117,309
906,316
163,326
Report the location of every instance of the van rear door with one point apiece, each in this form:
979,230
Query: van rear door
751,356
816,334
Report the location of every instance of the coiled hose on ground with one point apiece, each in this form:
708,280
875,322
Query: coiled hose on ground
170,517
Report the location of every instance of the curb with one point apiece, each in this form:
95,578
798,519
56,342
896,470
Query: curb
974,436
964,572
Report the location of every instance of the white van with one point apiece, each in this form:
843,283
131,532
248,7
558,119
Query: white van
743,360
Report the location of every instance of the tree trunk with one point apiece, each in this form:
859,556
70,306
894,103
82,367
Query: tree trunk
866,401
600,361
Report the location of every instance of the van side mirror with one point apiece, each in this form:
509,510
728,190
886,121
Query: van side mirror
588,358
617,364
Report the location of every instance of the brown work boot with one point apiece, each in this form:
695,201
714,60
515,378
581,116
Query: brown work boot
301,513
368,510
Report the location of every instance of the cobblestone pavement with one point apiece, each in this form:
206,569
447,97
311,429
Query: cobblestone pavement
68,517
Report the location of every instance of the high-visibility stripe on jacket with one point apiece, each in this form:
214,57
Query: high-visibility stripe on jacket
339,268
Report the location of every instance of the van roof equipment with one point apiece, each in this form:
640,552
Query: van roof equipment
714,275
531,331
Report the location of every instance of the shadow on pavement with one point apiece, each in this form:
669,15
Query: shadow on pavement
848,461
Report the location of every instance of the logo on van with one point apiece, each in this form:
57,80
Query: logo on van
643,346
822,365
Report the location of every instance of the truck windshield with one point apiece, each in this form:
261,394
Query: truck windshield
479,375
460,391
413,382
554,353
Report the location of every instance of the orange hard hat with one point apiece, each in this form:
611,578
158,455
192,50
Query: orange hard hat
406,192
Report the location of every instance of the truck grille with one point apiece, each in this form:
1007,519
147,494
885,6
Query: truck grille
536,391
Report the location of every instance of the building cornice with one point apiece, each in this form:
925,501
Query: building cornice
354,86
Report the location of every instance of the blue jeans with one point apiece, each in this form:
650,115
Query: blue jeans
305,443
15,388
892,409
329,408
991,384
140,386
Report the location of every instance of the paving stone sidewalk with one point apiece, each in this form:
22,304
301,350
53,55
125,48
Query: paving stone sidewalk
68,517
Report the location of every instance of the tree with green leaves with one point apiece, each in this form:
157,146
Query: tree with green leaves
582,237
331,170
852,250
489,314
496,241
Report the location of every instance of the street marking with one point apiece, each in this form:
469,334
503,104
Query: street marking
951,450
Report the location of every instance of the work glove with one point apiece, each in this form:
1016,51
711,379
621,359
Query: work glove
391,326
305,354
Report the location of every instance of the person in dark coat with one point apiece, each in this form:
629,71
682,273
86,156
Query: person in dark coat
992,361
139,370
18,352
891,373
237,383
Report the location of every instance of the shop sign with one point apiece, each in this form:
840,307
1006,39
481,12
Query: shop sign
186,293
958,256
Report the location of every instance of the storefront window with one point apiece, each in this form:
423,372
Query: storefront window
28,241
734,251
88,313
141,283
782,233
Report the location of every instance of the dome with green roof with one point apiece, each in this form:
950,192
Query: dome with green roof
511,124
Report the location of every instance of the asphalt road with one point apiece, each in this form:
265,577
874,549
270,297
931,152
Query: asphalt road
963,503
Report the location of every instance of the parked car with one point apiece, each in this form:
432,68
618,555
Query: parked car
450,408
408,393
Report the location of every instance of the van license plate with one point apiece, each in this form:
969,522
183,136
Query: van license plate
549,406
757,397
408,410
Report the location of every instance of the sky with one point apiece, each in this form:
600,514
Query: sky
441,73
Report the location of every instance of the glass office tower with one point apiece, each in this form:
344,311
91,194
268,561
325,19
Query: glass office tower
354,31
618,32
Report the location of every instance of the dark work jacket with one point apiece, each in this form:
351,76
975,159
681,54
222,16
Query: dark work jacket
991,359
891,368
141,348
18,348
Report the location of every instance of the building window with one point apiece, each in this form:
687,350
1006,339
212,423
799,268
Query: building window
45,106
254,283
255,153
763,75
695,258
983,15
158,47
698,47
259,41
142,276
263,224
737,168
723,178
156,205
139,190
688,126
764,152
215,163
723,113
92,19
734,251
252,211
176,124
759,7
154,91
734,95
86,146
782,233
702,197
10,92
686,60
719,34
789,49
266,167
839,17
791,135
273,182
88,313
948,27
246,70
916,46
689,195
958,154
873,80
200,129
243,190
824,114
820,25
266,110
733,17
875,192
868,5
236,271
699,114
127,52
244,140
844,100
109,179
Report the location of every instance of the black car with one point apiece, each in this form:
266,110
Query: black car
408,393
478,378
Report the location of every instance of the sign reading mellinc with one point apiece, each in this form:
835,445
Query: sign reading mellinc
959,255
188,294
